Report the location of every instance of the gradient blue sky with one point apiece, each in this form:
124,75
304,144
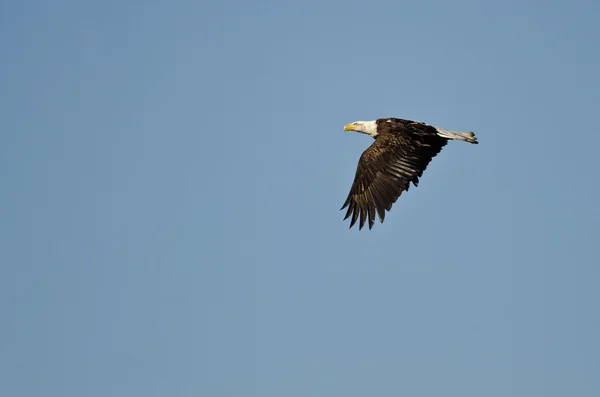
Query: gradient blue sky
172,173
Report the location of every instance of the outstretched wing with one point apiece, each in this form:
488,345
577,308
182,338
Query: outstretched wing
385,170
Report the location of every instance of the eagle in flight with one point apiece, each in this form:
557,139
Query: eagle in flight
401,152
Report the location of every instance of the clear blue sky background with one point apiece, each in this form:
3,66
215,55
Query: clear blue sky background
171,174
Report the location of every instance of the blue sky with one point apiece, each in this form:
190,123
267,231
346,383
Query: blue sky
172,174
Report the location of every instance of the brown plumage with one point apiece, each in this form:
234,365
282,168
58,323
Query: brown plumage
401,152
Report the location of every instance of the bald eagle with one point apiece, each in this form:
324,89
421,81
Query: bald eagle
401,152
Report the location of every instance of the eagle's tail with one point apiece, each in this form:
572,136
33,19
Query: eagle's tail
466,136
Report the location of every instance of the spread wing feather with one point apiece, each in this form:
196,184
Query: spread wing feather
385,170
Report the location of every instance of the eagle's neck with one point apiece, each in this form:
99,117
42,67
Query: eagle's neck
369,128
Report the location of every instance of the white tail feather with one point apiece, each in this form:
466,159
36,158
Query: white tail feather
467,136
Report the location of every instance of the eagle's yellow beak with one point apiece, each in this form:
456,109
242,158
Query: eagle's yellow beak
350,127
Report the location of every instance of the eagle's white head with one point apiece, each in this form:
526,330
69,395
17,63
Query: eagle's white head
366,127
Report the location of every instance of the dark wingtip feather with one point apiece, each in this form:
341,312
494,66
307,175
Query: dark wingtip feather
354,216
349,211
371,215
381,213
363,217
346,203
